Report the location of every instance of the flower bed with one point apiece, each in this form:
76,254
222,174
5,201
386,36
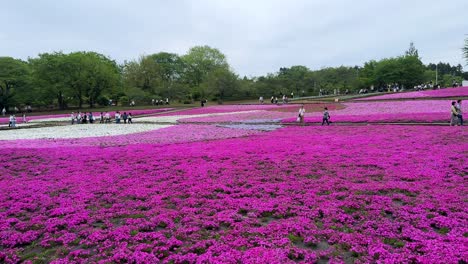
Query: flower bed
446,92
154,134
300,194
231,108
66,117
389,111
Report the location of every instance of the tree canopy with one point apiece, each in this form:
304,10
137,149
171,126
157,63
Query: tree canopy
87,78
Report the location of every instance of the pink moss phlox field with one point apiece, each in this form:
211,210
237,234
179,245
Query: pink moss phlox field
136,112
240,117
394,111
446,92
173,134
230,108
365,194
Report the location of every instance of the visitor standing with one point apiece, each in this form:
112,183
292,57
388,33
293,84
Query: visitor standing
453,115
72,117
91,118
3,111
78,118
117,117
130,118
24,118
276,100
124,117
84,120
260,100
101,118
301,114
326,117
458,106
107,117
272,100
167,101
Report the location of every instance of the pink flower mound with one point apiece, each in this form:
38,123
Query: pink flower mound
5,120
302,194
389,111
240,117
446,92
228,108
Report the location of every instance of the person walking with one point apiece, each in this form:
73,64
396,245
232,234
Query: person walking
101,118
3,111
72,117
458,106
272,100
24,118
453,115
124,117
130,118
326,117
301,114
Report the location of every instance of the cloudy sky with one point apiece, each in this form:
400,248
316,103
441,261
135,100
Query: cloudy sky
257,36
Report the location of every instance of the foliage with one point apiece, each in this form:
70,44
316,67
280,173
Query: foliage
14,76
89,78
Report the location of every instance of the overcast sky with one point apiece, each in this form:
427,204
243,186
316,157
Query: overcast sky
257,36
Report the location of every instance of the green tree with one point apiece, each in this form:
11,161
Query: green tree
89,74
14,75
170,70
412,51
142,74
294,78
48,72
220,83
201,61
412,71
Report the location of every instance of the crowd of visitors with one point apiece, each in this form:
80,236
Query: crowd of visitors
103,118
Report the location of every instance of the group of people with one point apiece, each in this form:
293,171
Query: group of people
12,120
159,102
104,118
325,117
456,114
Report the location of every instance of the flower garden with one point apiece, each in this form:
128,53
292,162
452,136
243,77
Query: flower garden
240,184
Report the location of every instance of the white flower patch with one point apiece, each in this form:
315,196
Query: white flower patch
77,131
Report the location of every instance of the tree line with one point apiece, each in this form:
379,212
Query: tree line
89,79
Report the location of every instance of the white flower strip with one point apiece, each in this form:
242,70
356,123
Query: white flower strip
77,131
175,118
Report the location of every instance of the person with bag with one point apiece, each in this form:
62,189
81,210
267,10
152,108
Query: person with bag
300,117
326,117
